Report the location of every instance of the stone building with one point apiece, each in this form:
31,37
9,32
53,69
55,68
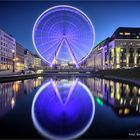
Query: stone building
19,57
7,51
121,50
37,62
28,60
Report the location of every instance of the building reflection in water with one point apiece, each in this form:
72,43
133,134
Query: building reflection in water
63,109
123,98
12,91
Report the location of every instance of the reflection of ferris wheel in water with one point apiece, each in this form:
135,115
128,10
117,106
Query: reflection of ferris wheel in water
63,34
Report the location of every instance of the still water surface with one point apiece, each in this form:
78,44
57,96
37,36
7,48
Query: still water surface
69,108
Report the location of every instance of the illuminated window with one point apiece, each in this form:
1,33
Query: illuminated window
120,33
121,50
126,33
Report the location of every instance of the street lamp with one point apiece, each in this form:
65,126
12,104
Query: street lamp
13,54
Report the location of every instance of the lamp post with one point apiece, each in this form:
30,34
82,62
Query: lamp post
13,54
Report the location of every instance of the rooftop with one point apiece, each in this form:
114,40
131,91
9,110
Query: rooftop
126,33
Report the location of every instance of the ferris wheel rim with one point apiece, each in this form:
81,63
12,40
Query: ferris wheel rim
64,6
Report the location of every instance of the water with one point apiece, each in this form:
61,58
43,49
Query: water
69,108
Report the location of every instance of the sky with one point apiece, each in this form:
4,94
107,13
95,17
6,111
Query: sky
18,17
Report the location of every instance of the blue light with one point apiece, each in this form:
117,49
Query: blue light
61,25
63,110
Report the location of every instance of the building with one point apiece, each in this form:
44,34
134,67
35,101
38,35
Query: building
121,50
28,60
37,62
7,51
20,51
44,65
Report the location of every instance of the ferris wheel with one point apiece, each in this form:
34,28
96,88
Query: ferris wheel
63,34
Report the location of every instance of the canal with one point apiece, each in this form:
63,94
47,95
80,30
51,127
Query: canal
71,107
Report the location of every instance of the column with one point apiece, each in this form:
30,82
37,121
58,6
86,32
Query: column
127,57
103,58
117,57
135,57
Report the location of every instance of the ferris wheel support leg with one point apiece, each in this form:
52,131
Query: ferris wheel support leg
72,55
56,53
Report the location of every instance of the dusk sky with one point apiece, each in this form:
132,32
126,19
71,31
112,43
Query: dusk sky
18,18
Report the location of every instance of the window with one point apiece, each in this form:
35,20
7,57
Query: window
120,33
134,34
138,57
127,33
105,56
131,57
110,55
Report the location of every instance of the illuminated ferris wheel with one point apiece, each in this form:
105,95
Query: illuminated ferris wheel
63,34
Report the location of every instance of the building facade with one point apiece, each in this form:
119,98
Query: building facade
20,52
121,50
37,62
28,60
7,51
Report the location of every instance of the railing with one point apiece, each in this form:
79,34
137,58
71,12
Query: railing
80,70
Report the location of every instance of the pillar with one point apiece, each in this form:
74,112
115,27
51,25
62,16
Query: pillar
135,57
127,57
117,57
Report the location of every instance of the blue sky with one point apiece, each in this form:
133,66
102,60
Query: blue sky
17,18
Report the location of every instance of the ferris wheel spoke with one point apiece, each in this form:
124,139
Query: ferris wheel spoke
50,55
45,37
41,43
51,46
71,30
40,30
48,42
78,52
56,52
78,48
72,54
80,43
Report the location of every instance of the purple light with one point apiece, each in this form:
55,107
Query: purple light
61,24
56,119
70,52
